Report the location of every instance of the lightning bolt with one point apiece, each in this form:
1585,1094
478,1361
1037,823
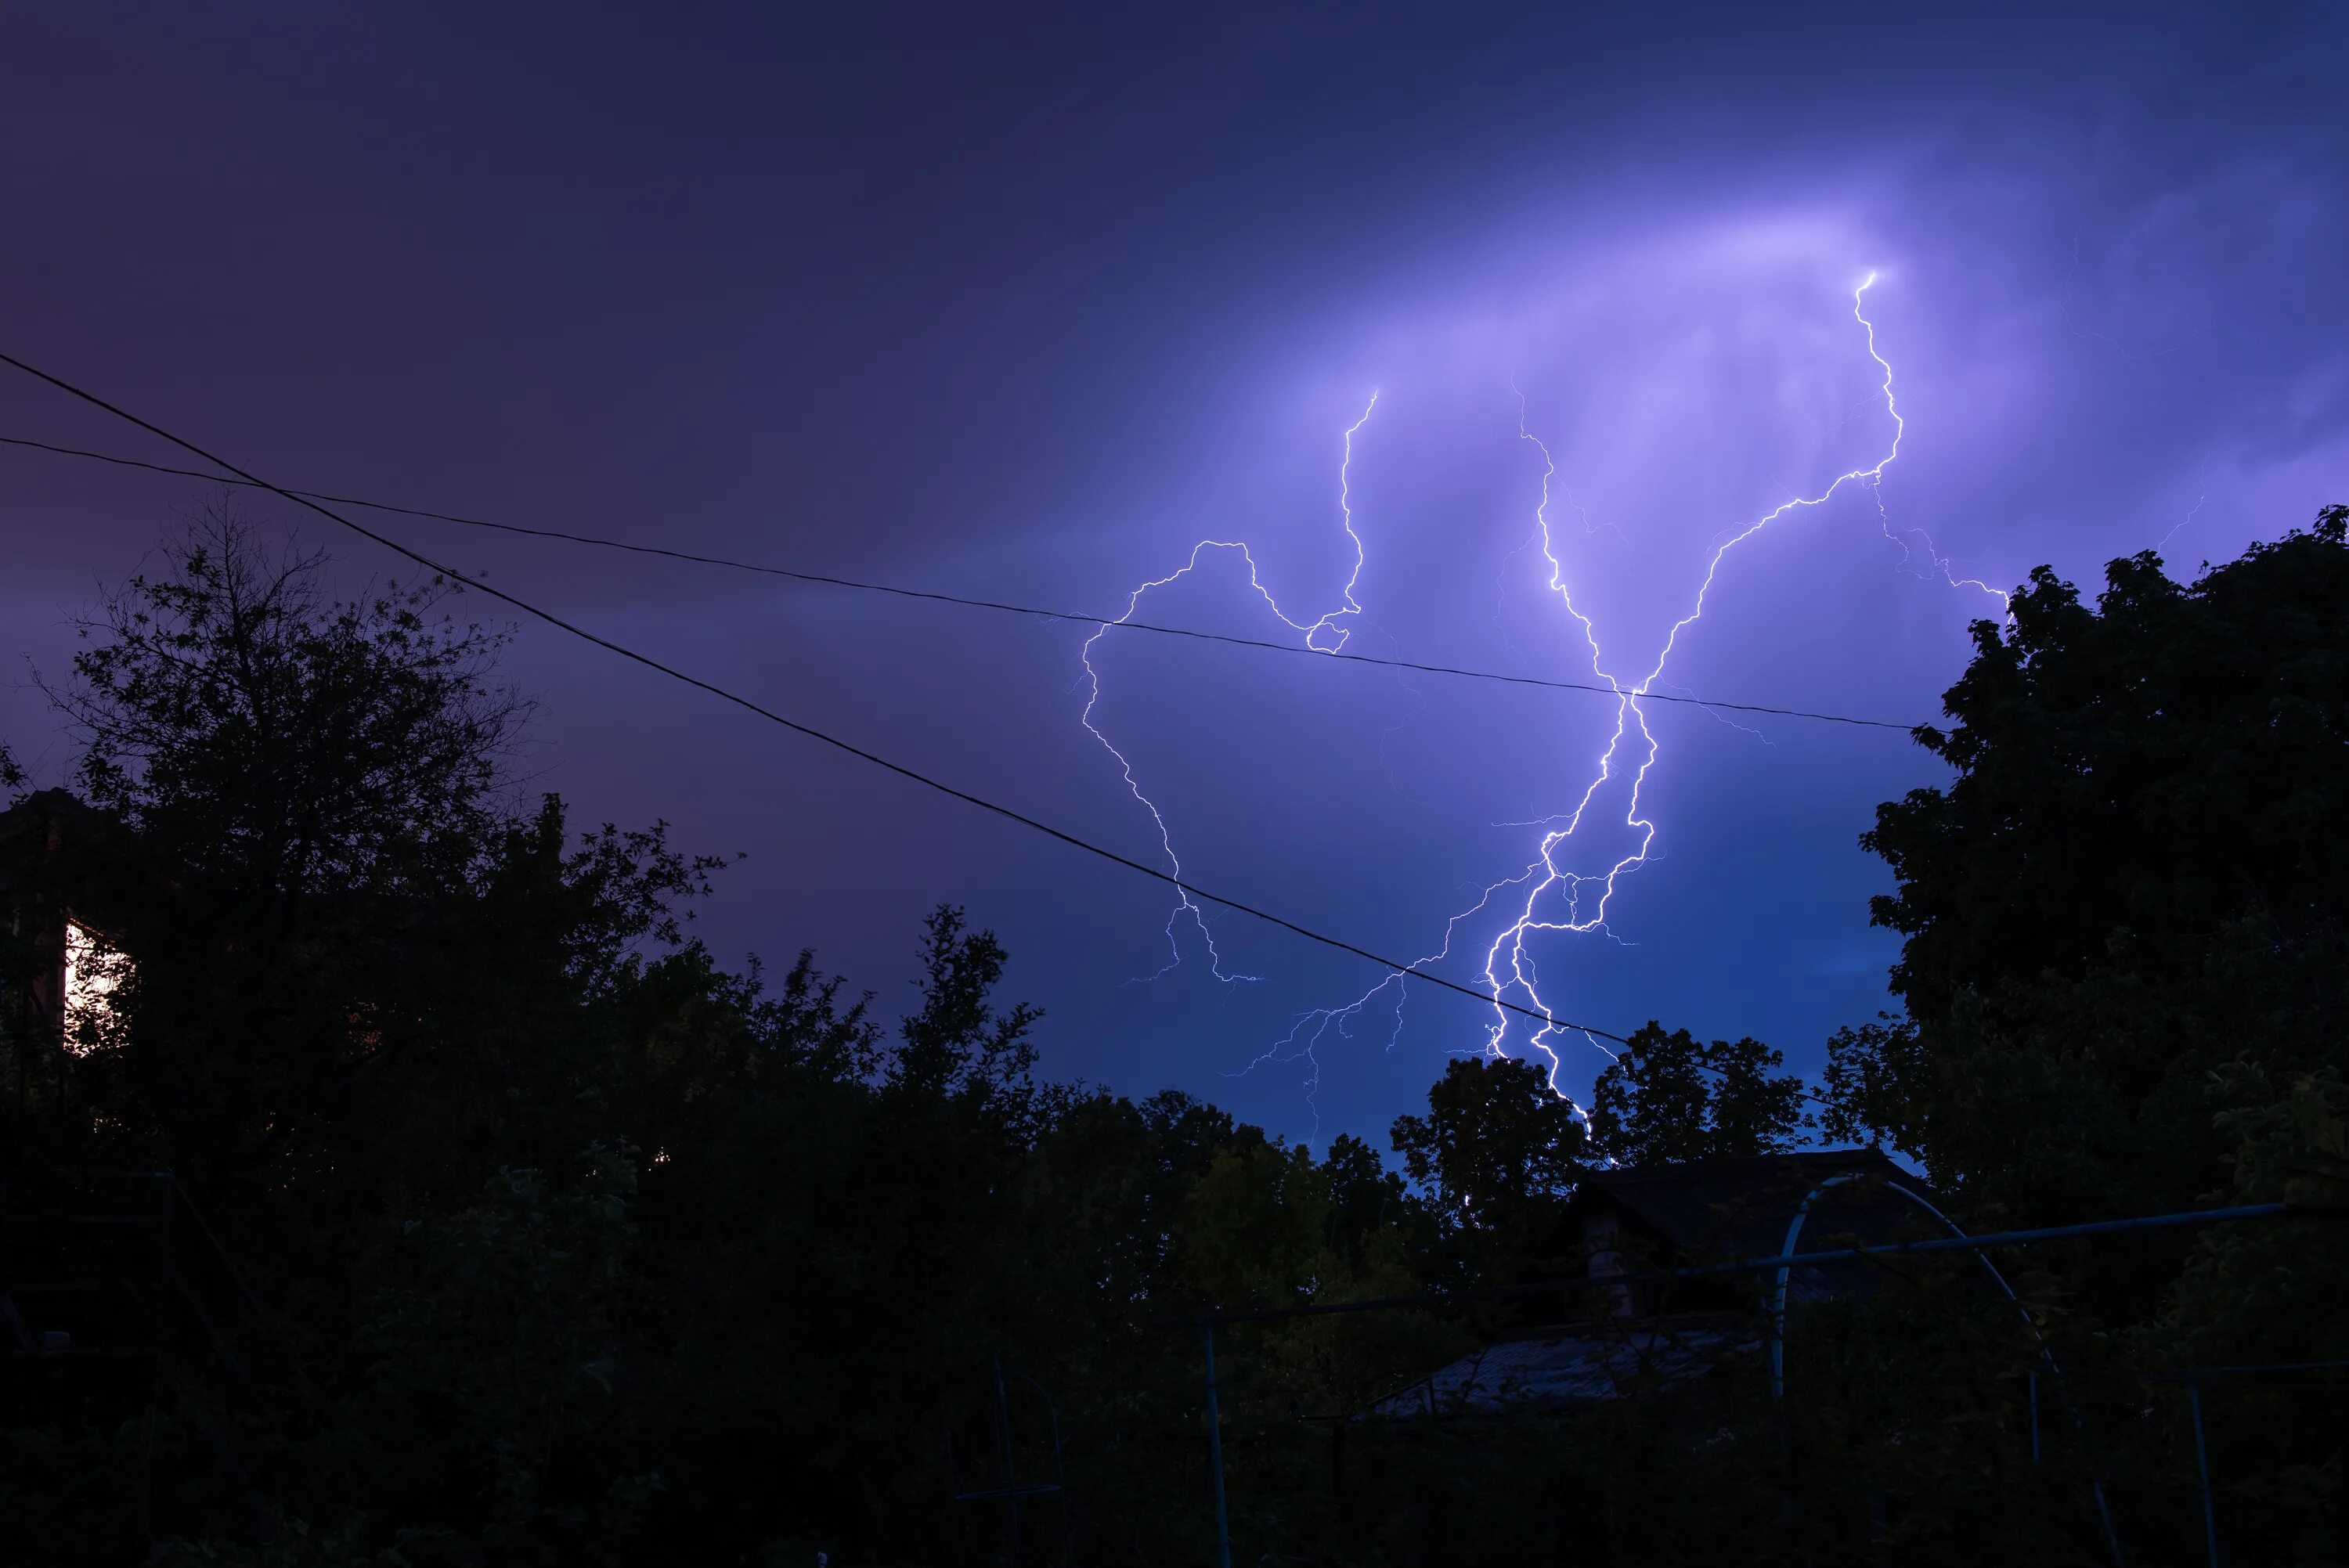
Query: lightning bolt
1937,565
2203,484
1322,634
1557,899
1548,896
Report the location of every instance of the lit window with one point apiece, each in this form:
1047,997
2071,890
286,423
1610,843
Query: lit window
91,975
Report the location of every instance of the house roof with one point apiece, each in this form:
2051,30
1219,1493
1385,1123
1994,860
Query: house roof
1718,1209
46,808
1700,1211
56,850
1551,1368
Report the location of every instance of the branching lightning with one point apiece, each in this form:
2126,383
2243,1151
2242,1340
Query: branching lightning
1937,566
2203,486
1576,903
1548,896
1323,635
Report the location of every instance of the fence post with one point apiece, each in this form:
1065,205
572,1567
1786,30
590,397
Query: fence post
2202,1466
2032,1378
1215,1445
1010,1474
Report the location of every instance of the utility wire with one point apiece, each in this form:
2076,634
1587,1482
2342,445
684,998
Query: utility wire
1958,1243
651,662
903,593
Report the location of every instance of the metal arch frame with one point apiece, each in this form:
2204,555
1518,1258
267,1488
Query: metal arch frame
1012,1490
1204,1323
1778,1319
1785,1272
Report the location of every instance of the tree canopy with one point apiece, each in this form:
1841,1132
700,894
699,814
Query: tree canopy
2131,888
2132,778
585,1249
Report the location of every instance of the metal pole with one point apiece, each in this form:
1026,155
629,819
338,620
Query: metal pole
1433,1300
1788,1258
2104,1512
2032,1379
1215,1447
2202,1464
1010,1476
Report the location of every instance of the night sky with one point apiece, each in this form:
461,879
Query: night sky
1026,305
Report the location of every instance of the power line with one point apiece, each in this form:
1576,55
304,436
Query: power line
1851,1255
998,605
651,662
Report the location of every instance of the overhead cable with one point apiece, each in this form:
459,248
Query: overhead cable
1000,606
300,498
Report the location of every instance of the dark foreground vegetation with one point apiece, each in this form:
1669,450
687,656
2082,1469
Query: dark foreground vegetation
577,1249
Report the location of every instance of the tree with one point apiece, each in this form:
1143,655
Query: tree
2139,774
303,784
2132,881
1366,1199
1254,1228
1670,1098
1500,1150
2125,945
762,1315
957,1044
355,958
497,1355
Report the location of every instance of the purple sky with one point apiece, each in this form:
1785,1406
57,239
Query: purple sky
1025,308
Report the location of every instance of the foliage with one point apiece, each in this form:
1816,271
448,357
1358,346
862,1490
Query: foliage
2128,885
288,1544
1668,1097
498,1352
2125,944
594,1252
1496,1146
2161,765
